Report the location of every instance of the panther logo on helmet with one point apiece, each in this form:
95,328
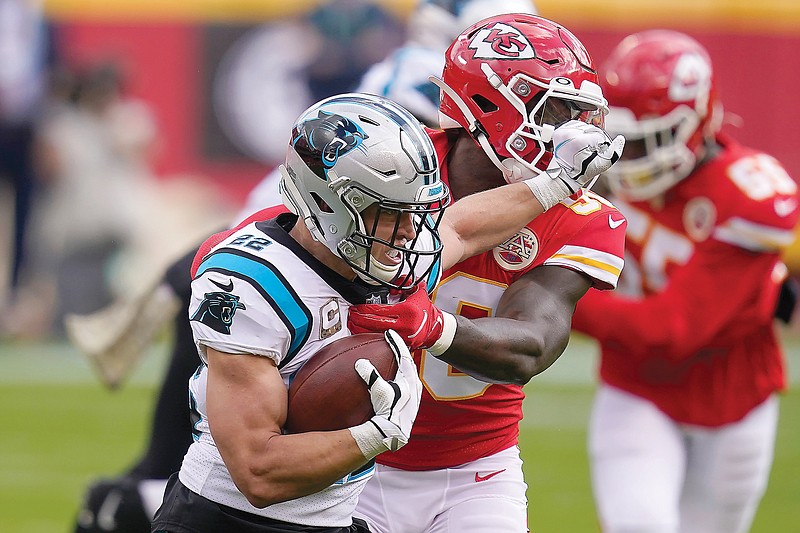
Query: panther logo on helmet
326,138
501,41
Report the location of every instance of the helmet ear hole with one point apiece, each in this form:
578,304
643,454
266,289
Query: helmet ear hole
321,204
485,105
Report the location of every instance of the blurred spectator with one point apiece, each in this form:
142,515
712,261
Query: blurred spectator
259,93
355,35
23,65
93,151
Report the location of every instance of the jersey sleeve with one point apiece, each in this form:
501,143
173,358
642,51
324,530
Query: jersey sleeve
217,238
757,200
229,314
595,240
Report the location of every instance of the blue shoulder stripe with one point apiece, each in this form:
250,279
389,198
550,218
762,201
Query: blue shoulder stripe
435,274
271,284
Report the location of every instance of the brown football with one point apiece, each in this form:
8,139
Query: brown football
327,393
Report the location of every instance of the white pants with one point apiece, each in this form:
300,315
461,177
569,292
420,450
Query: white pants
652,475
487,495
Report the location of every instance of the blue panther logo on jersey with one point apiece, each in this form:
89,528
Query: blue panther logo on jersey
217,309
323,140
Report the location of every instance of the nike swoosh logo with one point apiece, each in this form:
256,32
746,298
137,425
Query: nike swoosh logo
421,325
490,475
107,514
615,223
226,288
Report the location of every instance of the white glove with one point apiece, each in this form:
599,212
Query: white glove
395,402
581,152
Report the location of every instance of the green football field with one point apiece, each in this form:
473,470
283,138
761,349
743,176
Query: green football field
60,429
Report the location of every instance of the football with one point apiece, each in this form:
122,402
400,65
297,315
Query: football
327,393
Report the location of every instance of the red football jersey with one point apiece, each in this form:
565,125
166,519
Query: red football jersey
691,326
460,418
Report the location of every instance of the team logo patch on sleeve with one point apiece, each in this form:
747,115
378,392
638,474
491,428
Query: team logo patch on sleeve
217,309
699,218
518,252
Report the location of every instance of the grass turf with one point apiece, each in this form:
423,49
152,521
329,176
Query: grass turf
61,429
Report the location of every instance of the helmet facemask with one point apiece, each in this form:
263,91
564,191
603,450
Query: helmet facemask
377,230
656,155
557,103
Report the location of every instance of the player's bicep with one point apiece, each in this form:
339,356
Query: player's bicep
247,403
542,289
546,298
453,248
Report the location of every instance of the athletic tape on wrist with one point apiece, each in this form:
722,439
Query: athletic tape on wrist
369,439
549,191
448,334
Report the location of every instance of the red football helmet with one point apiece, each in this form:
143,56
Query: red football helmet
660,88
510,80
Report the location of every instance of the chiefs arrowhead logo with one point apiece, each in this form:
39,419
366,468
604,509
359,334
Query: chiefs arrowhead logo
501,41
518,252
691,79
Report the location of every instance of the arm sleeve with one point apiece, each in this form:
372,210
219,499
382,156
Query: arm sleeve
588,243
720,286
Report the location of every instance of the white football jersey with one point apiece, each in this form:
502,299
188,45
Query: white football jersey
259,292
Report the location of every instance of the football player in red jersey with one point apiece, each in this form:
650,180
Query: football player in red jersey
682,430
510,84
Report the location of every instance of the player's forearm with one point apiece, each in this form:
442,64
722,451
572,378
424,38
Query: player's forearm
669,325
483,220
292,466
504,350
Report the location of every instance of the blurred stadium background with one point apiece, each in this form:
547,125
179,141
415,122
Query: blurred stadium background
221,81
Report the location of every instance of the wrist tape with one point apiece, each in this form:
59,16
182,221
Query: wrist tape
369,439
448,334
548,190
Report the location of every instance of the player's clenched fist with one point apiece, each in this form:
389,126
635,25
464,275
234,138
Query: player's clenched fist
418,322
583,151
395,402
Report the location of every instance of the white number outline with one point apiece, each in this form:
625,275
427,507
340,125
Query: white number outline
437,375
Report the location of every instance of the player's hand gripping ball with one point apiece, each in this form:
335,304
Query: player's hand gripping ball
328,394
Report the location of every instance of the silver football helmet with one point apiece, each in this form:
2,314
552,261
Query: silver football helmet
352,151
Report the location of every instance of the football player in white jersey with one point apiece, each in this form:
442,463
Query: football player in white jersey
362,181
403,76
